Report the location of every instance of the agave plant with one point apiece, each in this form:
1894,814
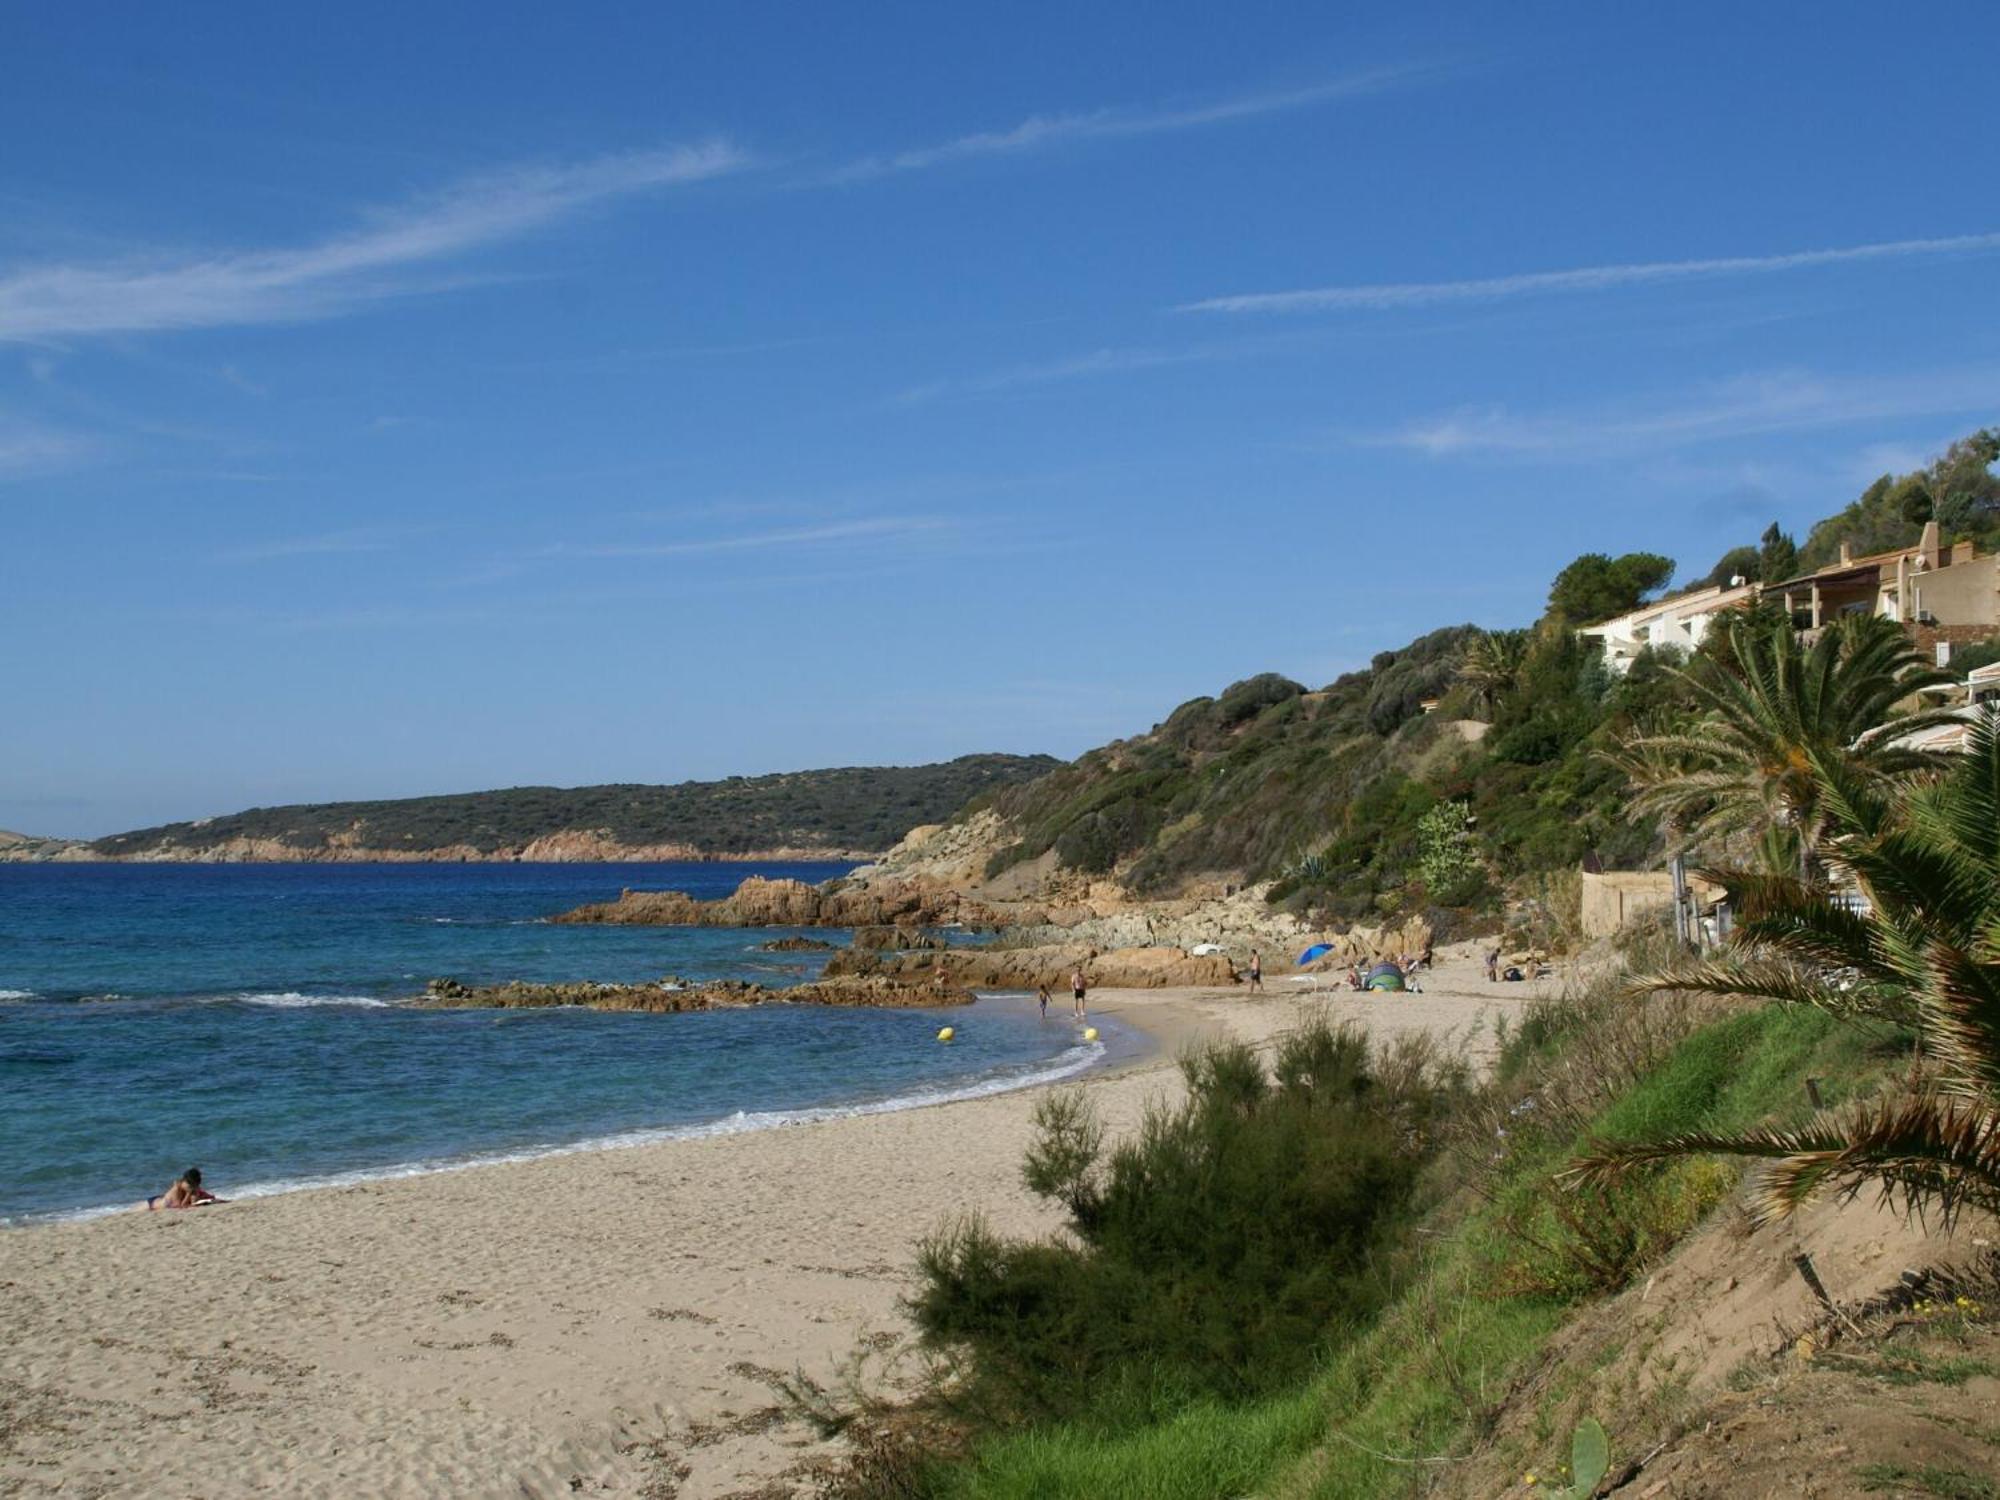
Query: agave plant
1773,711
1924,953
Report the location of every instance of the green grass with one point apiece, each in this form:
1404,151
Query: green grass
1205,1450
1412,1388
1948,1484
1914,1367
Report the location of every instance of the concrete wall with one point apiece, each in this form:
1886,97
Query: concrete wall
1966,593
1618,898
1614,899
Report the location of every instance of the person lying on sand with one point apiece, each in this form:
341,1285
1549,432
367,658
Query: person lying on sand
187,1192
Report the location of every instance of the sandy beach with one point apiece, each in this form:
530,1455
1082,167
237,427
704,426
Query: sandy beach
597,1323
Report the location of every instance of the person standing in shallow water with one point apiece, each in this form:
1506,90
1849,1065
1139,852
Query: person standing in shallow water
1076,990
1042,1000
1256,973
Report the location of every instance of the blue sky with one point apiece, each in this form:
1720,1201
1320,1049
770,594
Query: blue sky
407,399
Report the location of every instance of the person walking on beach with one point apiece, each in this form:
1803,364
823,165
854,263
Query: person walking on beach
1256,973
187,1192
1076,989
1042,999
1492,965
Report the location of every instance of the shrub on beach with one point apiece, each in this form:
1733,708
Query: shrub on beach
1212,1254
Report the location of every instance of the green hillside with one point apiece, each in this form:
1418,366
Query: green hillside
853,808
1327,792
1345,796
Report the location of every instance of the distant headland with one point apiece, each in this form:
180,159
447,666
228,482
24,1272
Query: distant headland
850,812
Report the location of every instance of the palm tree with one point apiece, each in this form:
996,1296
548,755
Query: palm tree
1926,954
1772,709
1492,664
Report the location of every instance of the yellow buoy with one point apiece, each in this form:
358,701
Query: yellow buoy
1090,1033
945,1033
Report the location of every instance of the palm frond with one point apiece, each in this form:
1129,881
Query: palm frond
1764,978
1920,1150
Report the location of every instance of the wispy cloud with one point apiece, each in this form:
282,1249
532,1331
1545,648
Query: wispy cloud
1044,132
1075,367
29,450
359,617
1399,294
873,528
324,544
1738,408
318,280
619,359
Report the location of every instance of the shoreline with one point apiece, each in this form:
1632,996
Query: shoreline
593,1320
1142,1047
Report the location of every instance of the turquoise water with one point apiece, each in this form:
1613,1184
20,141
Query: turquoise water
246,1019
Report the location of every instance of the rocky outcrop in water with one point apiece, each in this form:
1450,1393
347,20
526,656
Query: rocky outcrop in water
670,996
1028,968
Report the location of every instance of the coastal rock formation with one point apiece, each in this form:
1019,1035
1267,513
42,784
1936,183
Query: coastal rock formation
798,945
899,939
670,996
1028,968
1239,924
26,847
568,846
1367,945
759,902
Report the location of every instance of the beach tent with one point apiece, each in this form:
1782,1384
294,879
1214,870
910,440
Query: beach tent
1314,952
1384,977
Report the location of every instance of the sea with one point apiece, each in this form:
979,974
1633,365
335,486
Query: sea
253,1020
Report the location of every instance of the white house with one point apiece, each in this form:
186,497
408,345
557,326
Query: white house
1679,622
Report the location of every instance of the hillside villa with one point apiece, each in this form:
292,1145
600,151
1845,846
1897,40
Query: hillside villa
1943,597
1681,621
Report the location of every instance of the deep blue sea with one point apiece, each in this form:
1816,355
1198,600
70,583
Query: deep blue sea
246,1019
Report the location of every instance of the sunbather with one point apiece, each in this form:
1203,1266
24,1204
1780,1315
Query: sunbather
187,1192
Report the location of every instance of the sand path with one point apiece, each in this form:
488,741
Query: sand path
601,1323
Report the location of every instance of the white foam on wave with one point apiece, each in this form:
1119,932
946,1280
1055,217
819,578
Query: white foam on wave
1066,1064
17,994
293,1000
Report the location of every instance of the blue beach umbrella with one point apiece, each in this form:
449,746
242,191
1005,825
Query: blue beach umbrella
1314,952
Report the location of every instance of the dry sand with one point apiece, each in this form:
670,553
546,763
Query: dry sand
592,1323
